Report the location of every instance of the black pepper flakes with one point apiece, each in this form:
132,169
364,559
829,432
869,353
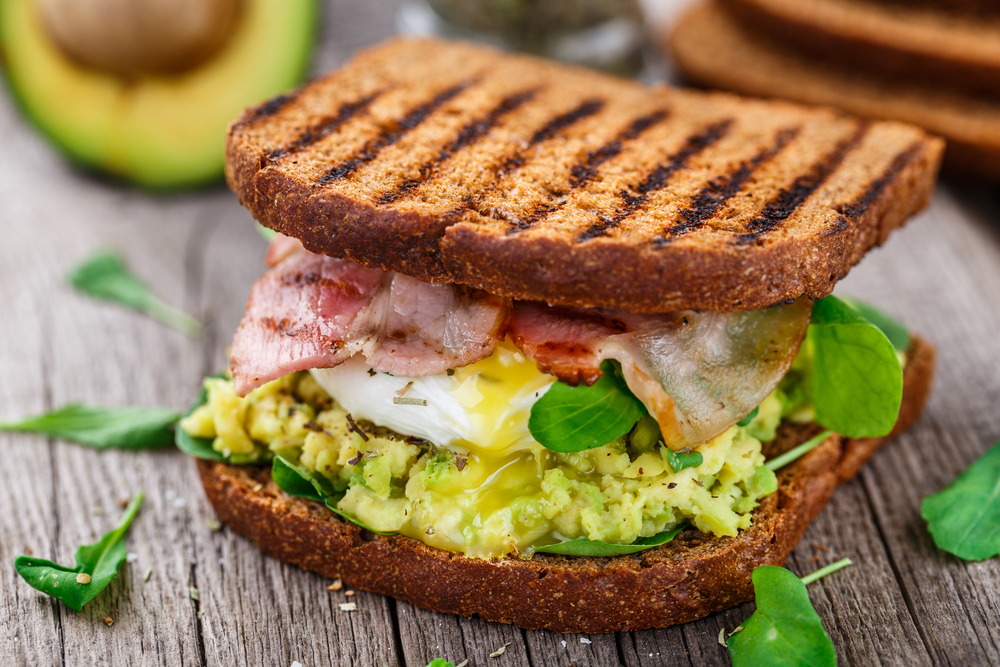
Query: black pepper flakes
352,425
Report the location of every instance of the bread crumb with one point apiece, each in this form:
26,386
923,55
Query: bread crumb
336,585
348,593
83,578
500,651
348,606
258,487
108,621
584,640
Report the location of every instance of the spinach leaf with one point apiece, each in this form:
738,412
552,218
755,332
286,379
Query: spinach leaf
296,480
572,419
797,452
858,382
121,428
680,460
200,448
105,276
785,630
897,334
964,517
749,418
96,565
585,547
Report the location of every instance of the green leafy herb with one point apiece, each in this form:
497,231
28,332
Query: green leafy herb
797,452
858,382
785,630
268,234
105,276
964,517
897,334
681,460
440,662
200,448
749,418
585,547
572,419
101,428
96,565
295,480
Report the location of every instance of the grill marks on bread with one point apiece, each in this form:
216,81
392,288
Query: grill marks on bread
657,179
452,162
789,199
704,205
391,134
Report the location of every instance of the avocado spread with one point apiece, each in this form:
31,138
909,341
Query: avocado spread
488,503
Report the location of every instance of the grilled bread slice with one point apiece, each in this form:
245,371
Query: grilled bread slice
685,579
910,42
711,47
456,163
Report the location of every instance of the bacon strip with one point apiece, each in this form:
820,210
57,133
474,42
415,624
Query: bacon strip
313,311
697,373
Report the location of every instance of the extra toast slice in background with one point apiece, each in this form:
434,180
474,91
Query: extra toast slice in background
685,579
457,163
712,48
910,42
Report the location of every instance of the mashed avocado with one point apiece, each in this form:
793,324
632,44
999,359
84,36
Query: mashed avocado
490,504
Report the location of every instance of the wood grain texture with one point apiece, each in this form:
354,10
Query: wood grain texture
902,603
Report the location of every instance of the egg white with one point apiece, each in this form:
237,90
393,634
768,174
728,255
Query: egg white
485,405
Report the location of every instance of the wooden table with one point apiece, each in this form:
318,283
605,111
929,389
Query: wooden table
903,602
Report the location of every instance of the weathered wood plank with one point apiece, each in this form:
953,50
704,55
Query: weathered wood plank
427,635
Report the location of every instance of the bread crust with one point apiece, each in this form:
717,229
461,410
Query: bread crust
580,210
970,125
917,44
688,578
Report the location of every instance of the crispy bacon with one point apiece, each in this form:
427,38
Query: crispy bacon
313,311
281,247
697,373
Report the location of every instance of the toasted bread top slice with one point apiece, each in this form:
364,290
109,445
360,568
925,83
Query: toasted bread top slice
712,47
456,163
915,42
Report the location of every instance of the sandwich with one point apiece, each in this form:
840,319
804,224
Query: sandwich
934,64
550,347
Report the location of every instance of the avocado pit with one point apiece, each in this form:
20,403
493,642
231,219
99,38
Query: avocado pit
132,38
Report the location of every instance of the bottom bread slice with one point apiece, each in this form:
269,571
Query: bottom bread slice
712,48
685,579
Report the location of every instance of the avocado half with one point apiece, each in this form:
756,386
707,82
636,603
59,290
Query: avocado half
161,132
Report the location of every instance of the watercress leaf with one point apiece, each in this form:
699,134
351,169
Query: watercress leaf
785,631
120,428
858,381
572,419
200,448
681,460
964,517
897,334
105,276
749,418
440,662
331,504
295,480
585,547
99,561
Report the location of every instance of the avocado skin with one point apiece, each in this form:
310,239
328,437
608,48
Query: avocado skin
161,134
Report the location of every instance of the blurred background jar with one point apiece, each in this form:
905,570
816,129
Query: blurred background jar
605,34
